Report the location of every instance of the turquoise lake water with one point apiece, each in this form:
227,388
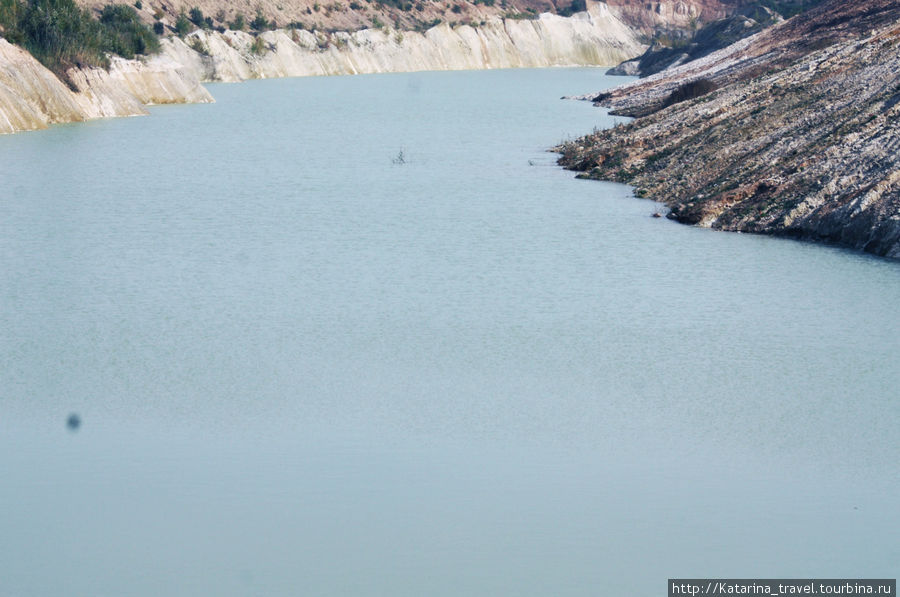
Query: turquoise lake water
306,368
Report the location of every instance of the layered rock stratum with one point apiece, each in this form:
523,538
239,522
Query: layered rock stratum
793,132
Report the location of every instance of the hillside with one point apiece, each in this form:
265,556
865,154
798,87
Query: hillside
791,132
352,15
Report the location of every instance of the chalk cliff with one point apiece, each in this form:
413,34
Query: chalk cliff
32,97
596,37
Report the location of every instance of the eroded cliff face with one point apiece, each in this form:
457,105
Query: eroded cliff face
596,37
794,132
32,97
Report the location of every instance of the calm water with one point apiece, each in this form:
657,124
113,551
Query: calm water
305,369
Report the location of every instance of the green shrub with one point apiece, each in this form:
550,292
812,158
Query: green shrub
10,15
259,23
183,25
123,32
196,16
61,35
520,16
575,6
159,28
238,24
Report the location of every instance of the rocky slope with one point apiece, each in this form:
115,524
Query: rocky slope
706,40
794,132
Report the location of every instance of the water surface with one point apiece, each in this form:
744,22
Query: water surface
303,367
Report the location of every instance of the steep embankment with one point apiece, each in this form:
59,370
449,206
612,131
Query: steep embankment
32,97
795,132
593,38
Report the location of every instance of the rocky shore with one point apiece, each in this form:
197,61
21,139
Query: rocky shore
791,132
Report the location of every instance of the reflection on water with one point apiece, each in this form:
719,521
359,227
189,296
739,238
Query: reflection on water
298,365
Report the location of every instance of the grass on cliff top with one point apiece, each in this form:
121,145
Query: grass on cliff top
62,35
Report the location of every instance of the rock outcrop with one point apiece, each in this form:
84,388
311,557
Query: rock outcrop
793,132
32,97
